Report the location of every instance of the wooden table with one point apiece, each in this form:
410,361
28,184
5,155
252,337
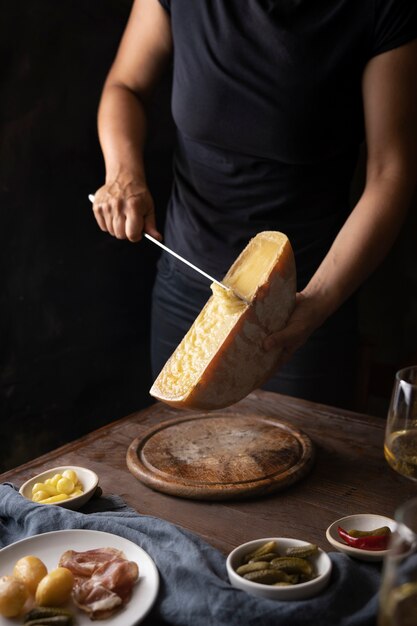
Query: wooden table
350,475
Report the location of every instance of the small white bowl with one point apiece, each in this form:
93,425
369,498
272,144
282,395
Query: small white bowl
362,521
87,478
321,561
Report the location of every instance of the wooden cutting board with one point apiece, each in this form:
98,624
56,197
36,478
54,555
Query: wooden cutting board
219,456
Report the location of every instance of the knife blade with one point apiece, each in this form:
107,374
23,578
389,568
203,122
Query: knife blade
177,256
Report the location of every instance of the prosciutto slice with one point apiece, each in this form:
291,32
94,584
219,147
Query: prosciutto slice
104,580
85,563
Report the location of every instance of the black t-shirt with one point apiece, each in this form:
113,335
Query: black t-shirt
269,115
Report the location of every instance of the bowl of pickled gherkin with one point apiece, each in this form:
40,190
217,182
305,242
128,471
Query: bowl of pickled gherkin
69,486
279,568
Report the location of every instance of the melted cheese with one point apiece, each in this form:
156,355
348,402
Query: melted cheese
253,267
201,342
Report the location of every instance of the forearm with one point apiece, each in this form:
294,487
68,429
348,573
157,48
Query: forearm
122,132
123,206
390,100
362,243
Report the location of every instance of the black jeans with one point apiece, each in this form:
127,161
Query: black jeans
323,370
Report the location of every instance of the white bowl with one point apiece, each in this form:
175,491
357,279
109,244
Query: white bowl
87,478
321,561
362,521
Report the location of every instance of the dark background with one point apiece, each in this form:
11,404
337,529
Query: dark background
74,308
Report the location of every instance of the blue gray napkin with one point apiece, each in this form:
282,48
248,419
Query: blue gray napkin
194,588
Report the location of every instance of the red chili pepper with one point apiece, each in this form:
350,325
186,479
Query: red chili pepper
370,542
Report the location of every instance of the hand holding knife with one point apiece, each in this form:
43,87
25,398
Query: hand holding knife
177,256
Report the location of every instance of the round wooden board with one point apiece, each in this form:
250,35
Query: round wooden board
215,456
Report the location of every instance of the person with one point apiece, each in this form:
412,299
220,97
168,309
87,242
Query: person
272,100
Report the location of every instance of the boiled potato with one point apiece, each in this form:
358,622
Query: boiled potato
40,495
51,490
55,478
30,570
60,497
76,493
71,474
65,485
13,595
55,588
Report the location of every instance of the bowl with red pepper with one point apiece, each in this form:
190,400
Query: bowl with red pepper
364,536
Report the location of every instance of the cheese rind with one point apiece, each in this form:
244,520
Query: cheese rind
221,359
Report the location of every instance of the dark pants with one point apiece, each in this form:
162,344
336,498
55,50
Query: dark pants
323,370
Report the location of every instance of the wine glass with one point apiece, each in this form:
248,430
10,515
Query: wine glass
398,592
400,446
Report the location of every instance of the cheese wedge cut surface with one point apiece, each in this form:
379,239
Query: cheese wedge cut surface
221,359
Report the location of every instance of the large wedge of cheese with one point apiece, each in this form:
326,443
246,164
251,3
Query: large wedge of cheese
221,358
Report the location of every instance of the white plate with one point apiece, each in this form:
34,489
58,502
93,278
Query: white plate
362,521
49,547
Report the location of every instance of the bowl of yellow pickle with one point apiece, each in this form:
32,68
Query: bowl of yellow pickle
68,486
279,568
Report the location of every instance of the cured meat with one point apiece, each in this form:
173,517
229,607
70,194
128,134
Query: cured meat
104,580
85,563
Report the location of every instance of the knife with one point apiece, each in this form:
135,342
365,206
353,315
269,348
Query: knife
177,256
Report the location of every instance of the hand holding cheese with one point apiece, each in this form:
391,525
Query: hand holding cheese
221,359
